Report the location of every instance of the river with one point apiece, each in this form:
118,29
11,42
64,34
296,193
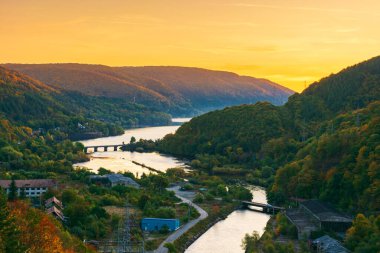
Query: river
226,235
122,161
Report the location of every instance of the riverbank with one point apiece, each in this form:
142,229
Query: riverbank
184,241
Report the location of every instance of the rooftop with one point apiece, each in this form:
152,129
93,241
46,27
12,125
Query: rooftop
56,211
115,178
325,212
54,200
35,183
329,245
300,220
160,219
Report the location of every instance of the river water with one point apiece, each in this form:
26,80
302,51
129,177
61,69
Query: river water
122,161
225,236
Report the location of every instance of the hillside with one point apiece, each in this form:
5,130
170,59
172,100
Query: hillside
26,101
250,126
326,138
177,90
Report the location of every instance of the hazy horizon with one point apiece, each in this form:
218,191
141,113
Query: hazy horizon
292,43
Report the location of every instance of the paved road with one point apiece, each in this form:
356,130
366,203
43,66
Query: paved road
171,238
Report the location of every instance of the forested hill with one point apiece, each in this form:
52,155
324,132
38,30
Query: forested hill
177,90
25,101
350,89
250,126
315,137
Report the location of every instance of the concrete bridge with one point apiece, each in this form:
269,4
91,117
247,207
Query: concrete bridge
266,208
104,148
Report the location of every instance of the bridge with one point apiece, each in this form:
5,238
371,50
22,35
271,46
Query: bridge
104,147
266,208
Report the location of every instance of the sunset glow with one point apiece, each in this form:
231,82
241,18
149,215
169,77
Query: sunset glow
290,42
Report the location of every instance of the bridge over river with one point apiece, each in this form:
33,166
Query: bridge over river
105,148
265,208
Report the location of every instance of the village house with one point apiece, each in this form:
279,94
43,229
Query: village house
31,187
54,207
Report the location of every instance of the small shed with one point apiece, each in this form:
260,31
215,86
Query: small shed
156,224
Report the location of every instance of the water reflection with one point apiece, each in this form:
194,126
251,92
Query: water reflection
122,161
226,236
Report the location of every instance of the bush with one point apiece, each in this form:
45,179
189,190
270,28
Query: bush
170,247
199,198
164,229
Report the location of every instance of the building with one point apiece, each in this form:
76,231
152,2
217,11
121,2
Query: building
325,216
314,215
54,207
326,244
56,213
32,188
53,201
156,224
114,179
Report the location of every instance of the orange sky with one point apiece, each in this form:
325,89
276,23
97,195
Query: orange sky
290,42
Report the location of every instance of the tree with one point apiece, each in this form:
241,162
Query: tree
133,140
102,171
9,233
250,242
13,193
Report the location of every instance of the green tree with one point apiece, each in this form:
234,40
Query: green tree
13,193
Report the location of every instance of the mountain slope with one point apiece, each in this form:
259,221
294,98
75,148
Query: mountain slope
248,125
324,142
28,102
177,90
24,99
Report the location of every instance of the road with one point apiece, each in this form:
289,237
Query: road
171,238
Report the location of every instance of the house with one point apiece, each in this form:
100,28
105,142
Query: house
54,207
53,201
314,215
156,224
115,179
32,187
326,244
56,213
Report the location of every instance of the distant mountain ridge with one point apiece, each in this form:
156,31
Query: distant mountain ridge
177,90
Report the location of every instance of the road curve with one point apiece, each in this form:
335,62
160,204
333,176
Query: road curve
171,238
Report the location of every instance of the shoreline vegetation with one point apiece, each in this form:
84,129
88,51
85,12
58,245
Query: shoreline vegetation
185,241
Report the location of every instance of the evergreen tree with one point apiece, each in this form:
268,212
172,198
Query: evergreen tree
13,194
9,233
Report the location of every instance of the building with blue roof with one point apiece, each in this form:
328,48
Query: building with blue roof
156,224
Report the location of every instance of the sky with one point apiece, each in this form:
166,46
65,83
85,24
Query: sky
291,42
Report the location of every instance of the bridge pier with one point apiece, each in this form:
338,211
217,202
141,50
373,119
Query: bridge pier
85,150
105,149
95,149
115,148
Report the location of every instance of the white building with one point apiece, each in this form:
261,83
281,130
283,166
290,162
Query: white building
32,187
